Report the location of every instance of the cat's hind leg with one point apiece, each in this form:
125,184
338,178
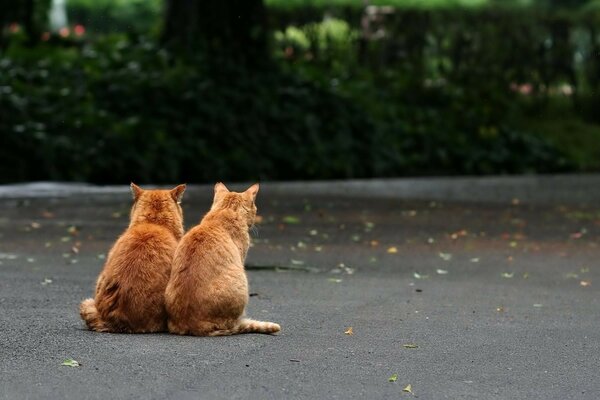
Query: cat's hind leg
89,313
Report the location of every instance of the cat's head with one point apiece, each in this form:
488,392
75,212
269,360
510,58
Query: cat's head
161,207
242,203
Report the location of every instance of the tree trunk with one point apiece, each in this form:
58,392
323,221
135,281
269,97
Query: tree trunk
235,29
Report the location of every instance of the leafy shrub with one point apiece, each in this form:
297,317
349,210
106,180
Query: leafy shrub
122,111
117,111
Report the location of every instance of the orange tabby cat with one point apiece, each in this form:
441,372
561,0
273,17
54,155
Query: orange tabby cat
130,289
208,289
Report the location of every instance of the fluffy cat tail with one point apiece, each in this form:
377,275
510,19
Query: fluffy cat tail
89,313
245,325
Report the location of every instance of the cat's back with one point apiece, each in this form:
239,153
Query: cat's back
143,243
204,237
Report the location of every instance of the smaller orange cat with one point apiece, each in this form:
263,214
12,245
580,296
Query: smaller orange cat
130,288
208,289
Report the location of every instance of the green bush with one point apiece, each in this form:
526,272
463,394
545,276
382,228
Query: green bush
120,111
117,111
105,16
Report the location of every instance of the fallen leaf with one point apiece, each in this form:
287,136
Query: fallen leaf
419,276
392,250
349,331
334,280
47,214
46,281
537,305
36,225
313,232
441,271
290,219
408,389
393,378
297,262
585,283
356,238
410,346
73,230
446,256
508,275
474,260
69,362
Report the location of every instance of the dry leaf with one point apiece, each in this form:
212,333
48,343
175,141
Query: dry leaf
585,283
349,331
392,250
410,346
408,388
393,378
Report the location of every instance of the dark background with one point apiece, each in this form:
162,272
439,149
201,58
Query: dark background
195,91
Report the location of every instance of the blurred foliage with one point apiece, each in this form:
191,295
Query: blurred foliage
105,16
394,92
121,111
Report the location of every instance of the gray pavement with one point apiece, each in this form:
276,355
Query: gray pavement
495,280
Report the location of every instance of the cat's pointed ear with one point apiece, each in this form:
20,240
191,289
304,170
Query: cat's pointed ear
220,190
219,187
136,191
253,191
177,193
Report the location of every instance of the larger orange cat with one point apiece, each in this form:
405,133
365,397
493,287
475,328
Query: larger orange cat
208,289
130,289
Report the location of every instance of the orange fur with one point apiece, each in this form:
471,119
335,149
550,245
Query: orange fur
208,289
130,289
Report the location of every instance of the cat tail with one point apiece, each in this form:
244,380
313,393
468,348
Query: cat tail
89,313
246,325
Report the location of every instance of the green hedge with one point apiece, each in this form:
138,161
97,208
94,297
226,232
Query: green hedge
117,111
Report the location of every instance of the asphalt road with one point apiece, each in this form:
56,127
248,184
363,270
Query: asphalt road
460,300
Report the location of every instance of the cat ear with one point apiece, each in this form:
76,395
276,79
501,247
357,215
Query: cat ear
220,190
136,191
219,187
253,191
177,193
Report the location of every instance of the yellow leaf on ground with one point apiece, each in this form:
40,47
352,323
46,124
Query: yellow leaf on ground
349,331
408,388
392,250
